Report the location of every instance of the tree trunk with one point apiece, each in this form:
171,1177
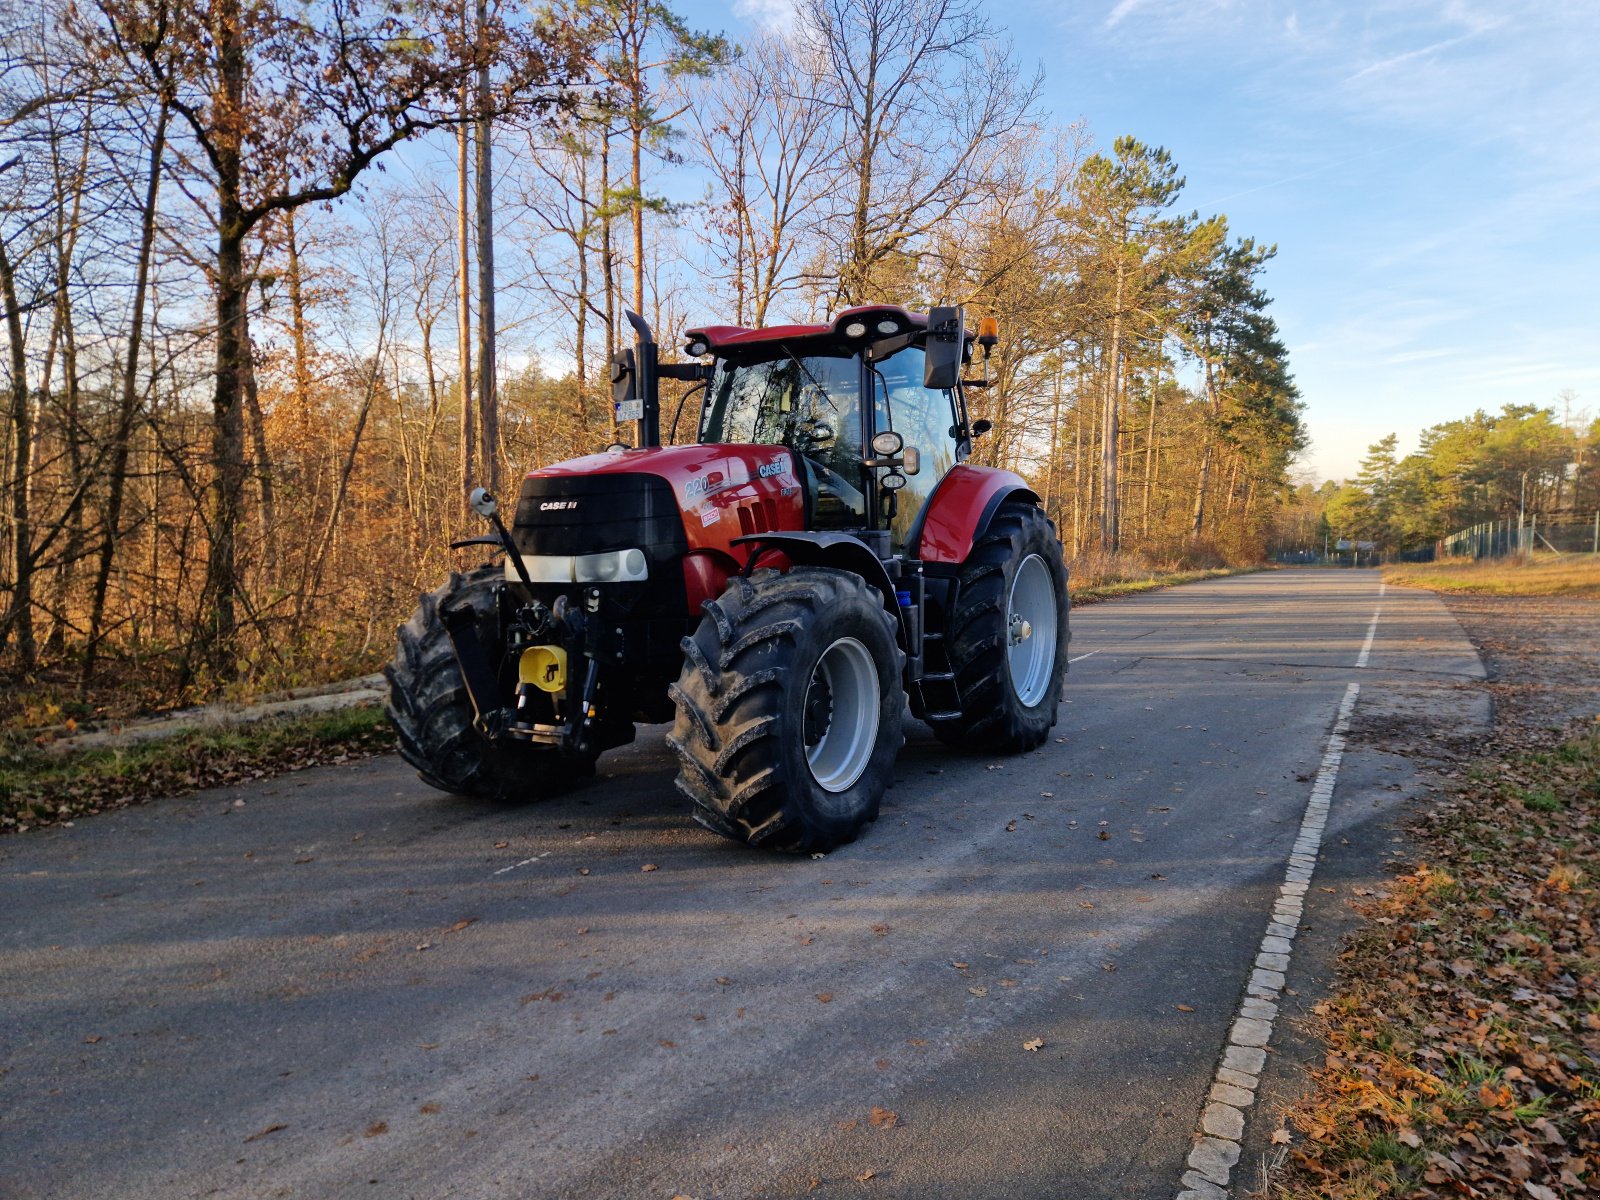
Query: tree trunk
608,267
1203,482
488,400
263,462
19,619
128,400
297,334
218,632
1110,534
1149,448
469,427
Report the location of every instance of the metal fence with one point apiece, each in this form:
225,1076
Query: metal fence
1502,539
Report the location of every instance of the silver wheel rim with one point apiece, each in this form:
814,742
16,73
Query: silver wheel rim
1031,630
840,712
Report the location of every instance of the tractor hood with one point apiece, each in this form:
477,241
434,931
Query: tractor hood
681,498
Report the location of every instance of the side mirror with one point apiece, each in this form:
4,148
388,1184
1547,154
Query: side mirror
981,426
941,368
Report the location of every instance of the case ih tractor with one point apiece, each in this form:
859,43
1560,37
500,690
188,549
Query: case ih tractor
779,590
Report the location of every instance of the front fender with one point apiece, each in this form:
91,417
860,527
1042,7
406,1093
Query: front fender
837,550
960,508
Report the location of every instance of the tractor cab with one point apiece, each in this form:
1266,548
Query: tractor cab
854,402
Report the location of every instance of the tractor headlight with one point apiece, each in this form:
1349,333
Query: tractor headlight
614,566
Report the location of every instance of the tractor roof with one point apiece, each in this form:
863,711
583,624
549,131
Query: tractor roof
722,338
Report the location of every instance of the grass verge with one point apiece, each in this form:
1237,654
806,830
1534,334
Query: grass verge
1546,575
38,787
1464,1036
1096,592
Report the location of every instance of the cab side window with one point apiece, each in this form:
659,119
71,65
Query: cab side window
923,418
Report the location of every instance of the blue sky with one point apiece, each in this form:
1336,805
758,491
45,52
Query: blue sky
1430,173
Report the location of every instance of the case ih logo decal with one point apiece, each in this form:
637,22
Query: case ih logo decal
557,505
768,470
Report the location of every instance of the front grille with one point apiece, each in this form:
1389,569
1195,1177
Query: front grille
586,514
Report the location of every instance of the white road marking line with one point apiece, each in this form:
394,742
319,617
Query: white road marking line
523,863
1372,629
1081,657
1233,1087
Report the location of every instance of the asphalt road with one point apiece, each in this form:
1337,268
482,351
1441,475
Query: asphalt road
339,982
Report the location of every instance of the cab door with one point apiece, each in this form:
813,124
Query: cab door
925,418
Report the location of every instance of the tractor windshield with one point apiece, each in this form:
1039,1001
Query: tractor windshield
810,403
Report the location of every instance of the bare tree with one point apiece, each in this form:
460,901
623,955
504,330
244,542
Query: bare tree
922,94
776,155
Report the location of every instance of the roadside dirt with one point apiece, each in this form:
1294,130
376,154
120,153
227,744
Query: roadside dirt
1543,657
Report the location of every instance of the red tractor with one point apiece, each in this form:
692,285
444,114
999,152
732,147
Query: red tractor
779,590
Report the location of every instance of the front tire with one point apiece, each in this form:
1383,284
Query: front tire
1009,634
790,710
432,714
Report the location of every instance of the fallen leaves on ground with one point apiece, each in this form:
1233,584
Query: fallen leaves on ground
882,1118
38,787
1034,1044
1463,1039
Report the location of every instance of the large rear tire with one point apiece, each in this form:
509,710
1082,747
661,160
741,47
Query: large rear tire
1008,635
790,710
432,713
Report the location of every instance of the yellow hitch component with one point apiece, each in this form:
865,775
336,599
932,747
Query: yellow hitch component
545,667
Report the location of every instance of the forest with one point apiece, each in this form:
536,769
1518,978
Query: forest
282,282
1525,461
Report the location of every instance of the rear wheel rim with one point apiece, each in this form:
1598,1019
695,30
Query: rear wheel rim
840,715
1031,630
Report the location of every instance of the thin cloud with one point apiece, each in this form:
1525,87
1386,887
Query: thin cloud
1120,13
1395,60
768,14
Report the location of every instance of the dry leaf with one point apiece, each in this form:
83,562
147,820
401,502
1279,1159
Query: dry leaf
978,991
960,966
882,1118
1033,1044
461,924
864,1176
824,997
92,1038
377,1129
261,1133
1280,1137
649,867
1183,1008
880,929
